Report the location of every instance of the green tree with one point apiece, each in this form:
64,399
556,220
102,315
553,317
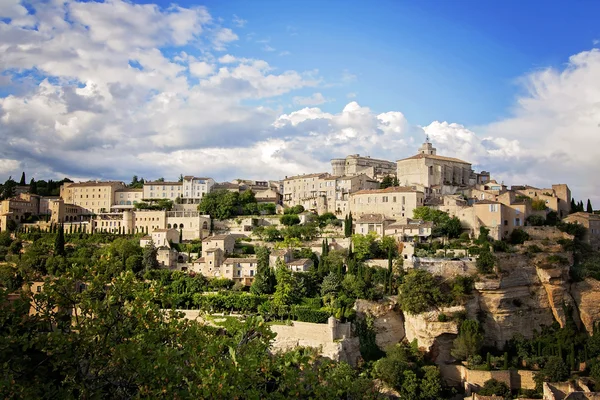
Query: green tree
469,340
493,387
410,386
589,207
431,383
419,292
555,370
23,182
363,245
485,262
331,284
386,182
289,219
264,281
287,289
33,186
149,260
348,226
59,242
452,228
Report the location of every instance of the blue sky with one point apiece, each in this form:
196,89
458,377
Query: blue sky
265,89
444,60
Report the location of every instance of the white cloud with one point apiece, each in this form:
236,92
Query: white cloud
348,77
227,59
351,95
285,53
266,47
312,100
201,69
222,37
239,22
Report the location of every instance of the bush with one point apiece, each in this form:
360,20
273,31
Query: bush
500,246
419,292
485,262
518,236
306,314
290,219
232,301
493,387
442,317
538,205
535,220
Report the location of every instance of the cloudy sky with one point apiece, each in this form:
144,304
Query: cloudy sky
266,89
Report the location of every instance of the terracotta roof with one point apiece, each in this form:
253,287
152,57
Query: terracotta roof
146,238
199,260
318,174
486,202
435,157
391,189
163,183
372,218
300,261
94,183
240,260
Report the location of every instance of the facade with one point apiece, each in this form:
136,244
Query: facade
434,174
408,229
18,208
372,223
557,198
300,265
127,197
591,222
93,197
356,165
392,202
323,192
195,188
162,190
240,269
226,243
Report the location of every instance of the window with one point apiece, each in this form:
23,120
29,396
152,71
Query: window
493,207
505,222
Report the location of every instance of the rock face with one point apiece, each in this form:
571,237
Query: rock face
387,321
431,335
587,297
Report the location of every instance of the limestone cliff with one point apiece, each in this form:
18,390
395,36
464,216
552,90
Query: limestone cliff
587,297
387,321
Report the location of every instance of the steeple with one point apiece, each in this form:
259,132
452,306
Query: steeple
427,147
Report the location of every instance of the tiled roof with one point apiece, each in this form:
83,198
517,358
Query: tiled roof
217,237
129,190
300,261
318,174
435,157
391,189
240,260
486,202
372,218
95,183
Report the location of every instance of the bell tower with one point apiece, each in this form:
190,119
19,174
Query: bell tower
427,148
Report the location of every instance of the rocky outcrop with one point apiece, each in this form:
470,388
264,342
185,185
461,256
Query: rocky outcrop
387,321
587,297
431,335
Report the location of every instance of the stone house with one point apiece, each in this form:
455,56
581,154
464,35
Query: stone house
592,224
392,202
372,223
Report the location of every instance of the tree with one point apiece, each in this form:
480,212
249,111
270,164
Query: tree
180,179
348,226
363,245
573,206
469,340
33,186
589,207
431,383
59,242
386,182
287,289
410,386
518,236
493,387
149,260
264,281
452,228
555,370
331,284
485,262
419,292
22,182
289,219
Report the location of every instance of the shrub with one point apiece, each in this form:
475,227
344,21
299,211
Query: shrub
518,236
485,262
493,387
464,237
538,205
306,314
419,292
442,317
500,246
535,220
533,249
290,219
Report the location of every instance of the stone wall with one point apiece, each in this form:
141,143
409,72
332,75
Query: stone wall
473,380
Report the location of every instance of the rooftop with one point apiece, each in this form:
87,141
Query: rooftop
391,189
94,183
317,175
435,157
240,260
300,261
163,183
372,218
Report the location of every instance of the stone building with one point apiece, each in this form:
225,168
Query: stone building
591,222
162,190
392,202
434,174
94,197
18,208
356,165
557,198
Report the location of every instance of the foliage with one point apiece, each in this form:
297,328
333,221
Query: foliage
264,281
574,229
493,387
518,236
331,284
469,340
295,210
223,204
290,219
159,204
365,331
535,220
105,349
307,314
348,225
149,261
364,245
485,262
419,292
555,370
59,243
538,205
229,301
287,290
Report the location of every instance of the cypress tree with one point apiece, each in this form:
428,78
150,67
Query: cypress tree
580,206
33,186
573,206
22,181
180,235
589,207
505,360
488,362
59,242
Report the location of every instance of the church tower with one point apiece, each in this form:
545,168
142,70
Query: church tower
427,148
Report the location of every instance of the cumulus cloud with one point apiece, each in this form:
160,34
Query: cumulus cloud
201,69
312,100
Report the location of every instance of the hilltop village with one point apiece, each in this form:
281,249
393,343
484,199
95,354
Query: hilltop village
421,271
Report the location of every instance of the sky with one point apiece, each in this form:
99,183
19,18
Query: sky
263,90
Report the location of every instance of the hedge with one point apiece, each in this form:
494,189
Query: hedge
243,302
306,314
